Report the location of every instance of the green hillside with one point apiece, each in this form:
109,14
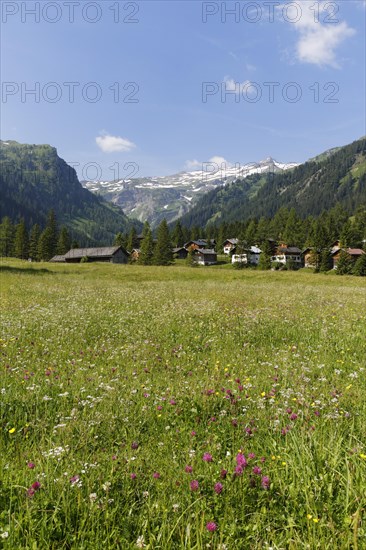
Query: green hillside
317,185
34,179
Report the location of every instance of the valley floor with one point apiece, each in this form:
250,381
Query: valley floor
181,407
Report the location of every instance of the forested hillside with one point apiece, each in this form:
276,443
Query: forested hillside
34,179
318,185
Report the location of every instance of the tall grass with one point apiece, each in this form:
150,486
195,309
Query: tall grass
130,395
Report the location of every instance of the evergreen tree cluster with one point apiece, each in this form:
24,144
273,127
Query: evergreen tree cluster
36,244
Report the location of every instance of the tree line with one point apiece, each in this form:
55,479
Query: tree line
36,243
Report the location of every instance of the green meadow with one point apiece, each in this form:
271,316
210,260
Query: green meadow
181,408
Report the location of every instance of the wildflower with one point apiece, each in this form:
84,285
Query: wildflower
316,520
74,479
223,474
4,535
257,470
293,416
133,476
175,507
134,445
193,433
238,470
140,543
31,465
12,430
241,460
93,497
194,485
265,482
309,516
172,402
251,455
188,469
207,457
145,494
156,475
211,526
106,486
218,488
33,489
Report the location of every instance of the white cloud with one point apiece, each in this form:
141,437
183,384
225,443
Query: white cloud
237,87
193,164
113,144
318,40
218,163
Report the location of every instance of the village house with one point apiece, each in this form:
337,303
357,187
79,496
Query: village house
199,243
111,254
205,256
287,254
354,253
180,253
229,245
309,257
250,256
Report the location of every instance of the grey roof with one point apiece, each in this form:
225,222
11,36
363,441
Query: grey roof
58,258
232,241
290,250
206,251
92,252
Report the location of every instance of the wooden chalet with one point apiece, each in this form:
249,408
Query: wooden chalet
229,245
354,253
199,244
111,254
250,256
309,256
286,254
180,253
205,256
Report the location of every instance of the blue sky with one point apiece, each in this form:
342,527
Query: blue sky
235,81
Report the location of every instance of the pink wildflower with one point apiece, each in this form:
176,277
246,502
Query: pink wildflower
211,526
194,485
207,457
218,488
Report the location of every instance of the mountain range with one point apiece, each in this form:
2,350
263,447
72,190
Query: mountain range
171,197
34,179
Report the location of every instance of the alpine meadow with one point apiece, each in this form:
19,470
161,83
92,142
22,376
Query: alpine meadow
183,275
156,407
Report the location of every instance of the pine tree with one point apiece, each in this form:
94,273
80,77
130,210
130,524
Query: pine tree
147,247
74,244
325,263
132,241
265,257
344,264
190,261
177,235
292,232
119,240
52,233
21,242
163,249
359,268
6,237
251,233
45,245
64,242
33,242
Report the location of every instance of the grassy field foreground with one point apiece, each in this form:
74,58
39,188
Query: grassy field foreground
181,408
